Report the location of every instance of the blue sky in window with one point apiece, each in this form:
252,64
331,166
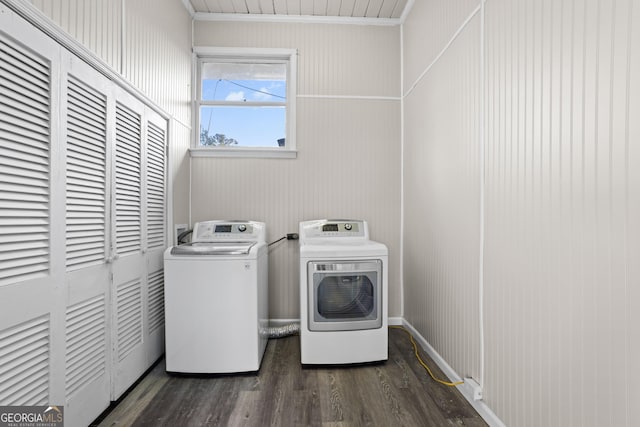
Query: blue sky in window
250,126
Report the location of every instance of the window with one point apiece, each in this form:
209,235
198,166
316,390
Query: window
245,102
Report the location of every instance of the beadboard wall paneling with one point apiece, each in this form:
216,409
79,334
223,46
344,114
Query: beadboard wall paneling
348,166
348,163
95,24
561,207
178,174
441,204
339,60
563,91
427,41
157,53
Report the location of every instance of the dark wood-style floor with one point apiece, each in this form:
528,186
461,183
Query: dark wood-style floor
397,392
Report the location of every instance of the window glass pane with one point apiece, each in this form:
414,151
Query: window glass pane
244,82
242,126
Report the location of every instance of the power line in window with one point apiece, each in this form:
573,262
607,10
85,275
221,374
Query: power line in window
255,90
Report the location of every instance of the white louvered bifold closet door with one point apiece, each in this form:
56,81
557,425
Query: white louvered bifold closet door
28,223
82,228
138,310
87,338
155,225
129,271
24,158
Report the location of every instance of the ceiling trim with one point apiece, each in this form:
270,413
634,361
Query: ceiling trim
187,4
308,19
407,9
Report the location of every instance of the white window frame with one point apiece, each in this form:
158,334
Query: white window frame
288,55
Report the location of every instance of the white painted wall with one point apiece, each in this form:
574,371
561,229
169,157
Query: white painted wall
546,107
348,164
555,131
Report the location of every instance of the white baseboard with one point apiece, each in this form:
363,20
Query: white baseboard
469,389
396,321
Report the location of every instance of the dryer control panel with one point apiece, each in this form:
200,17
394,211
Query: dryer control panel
334,228
236,231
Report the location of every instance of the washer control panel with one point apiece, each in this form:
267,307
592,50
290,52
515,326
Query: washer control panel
210,231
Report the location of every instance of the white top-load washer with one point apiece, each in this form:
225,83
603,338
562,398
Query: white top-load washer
216,299
343,293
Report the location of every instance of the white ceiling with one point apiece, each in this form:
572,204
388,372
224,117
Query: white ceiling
372,11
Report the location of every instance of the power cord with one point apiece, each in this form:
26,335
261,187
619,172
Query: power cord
290,236
424,365
183,235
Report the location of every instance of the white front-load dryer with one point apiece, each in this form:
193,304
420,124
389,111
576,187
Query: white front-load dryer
216,299
343,293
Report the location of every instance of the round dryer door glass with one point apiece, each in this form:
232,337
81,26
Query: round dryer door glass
345,297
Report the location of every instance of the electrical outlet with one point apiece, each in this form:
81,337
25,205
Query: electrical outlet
179,229
473,388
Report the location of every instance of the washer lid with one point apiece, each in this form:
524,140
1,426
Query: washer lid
213,248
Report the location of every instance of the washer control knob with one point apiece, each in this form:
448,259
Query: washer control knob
242,228
347,227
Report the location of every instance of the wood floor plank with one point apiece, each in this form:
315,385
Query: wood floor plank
397,392
450,403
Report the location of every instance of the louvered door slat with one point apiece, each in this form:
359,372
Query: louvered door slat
8,204
21,91
128,161
17,105
89,200
18,246
86,174
33,240
24,363
85,343
20,152
88,154
156,300
128,189
129,312
31,385
17,184
18,61
155,186
91,164
85,106
28,253
25,122
17,154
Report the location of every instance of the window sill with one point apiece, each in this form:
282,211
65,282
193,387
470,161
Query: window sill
239,152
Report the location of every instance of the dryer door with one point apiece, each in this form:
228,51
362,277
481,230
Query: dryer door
345,295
